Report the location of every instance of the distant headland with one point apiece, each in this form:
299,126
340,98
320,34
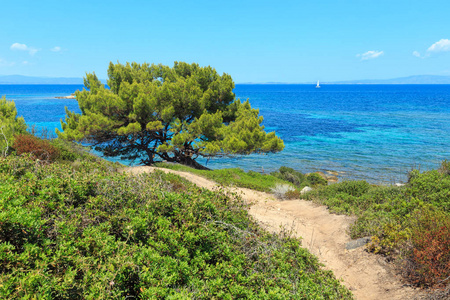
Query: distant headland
20,79
417,79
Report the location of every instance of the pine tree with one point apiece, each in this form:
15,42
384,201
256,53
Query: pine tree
154,112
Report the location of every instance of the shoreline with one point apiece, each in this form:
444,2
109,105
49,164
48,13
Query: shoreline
66,97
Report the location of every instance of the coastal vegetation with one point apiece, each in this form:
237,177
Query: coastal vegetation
153,112
409,224
257,181
75,228
10,125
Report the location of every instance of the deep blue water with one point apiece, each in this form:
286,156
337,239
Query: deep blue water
372,132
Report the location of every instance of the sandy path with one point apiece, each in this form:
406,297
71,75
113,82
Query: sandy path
324,234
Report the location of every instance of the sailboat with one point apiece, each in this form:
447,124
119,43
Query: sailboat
317,86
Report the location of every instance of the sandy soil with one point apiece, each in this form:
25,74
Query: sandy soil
367,275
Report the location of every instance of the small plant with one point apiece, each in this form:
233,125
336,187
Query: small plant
393,237
290,175
39,149
315,180
428,261
293,194
445,167
281,191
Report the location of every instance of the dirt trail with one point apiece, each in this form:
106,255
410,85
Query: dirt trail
323,234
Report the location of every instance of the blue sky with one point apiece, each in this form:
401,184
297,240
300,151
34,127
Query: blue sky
253,41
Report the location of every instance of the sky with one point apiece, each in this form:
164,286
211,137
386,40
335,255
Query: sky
253,41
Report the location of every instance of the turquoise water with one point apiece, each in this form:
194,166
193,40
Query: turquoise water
372,132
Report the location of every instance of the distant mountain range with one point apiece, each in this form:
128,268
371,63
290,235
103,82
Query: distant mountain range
20,79
418,79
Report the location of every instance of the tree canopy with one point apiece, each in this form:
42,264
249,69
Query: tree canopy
154,112
10,125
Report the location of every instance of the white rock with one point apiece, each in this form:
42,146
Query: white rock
305,190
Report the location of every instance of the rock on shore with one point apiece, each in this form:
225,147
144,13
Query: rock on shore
66,97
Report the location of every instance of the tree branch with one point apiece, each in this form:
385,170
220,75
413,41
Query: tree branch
6,140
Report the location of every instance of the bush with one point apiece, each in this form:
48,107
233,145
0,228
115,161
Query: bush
281,191
290,175
445,167
409,224
293,194
432,187
428,260
38,148
71,151
87,233
298,179
10,125
315,180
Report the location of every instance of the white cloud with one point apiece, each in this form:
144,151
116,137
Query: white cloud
370,55
56,49
17,46
441,46
416,54
23,47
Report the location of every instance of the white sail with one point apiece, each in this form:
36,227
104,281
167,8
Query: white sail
317,86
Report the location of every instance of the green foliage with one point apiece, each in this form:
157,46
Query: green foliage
232,177
298,179
154,112
10,125
315,180
83,232
431,187
71,151
290,175
445,167
408,223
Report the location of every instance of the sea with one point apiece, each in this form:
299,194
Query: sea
367,132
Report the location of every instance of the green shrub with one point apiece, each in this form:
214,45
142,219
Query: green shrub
290,175
71,151
445,167
232,177
432,187
409,223
283,191
10,125
315,180
88,233
298,179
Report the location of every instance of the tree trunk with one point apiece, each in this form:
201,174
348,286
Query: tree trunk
187,161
